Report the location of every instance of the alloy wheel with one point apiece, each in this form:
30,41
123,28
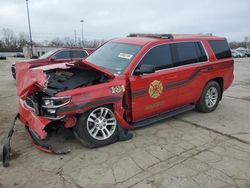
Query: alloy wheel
211,97
101,123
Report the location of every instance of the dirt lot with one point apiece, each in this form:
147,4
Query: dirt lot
190,150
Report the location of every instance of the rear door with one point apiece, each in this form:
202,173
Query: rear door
192,63
148,92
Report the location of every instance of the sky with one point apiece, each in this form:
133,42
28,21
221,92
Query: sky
106,19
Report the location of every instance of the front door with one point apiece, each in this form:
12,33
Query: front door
149,92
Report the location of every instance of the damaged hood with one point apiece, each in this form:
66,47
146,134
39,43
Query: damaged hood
29,80
95,67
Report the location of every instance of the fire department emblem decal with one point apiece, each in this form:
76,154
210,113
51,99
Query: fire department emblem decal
155,89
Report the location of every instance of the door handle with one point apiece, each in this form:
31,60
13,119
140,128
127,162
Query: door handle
207,69
171,77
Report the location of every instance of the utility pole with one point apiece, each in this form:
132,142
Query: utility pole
75,37
82,33
31,46
246,42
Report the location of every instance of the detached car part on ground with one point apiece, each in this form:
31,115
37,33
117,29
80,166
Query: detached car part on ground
126,83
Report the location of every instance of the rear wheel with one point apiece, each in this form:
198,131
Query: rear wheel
97,127
210,97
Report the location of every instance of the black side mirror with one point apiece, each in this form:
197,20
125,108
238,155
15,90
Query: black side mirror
144,69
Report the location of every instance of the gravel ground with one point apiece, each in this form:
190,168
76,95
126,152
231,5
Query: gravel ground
189,150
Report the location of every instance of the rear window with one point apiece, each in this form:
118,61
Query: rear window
78,54
63,55
221,48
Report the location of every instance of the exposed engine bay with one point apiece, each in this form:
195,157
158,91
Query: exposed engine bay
45,103
74,77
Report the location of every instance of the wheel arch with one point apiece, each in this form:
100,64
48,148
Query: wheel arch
220,81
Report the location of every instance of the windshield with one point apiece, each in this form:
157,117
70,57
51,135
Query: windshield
114,56
46,55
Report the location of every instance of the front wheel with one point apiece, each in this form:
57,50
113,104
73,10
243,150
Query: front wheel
210,97
98,127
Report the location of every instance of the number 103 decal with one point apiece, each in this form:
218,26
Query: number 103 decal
118,89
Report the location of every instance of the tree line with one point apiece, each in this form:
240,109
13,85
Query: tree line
244,44
11,42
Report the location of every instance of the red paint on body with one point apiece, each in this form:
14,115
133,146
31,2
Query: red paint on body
181,85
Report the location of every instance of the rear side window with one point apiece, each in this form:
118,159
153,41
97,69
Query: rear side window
221,48
78,54
188,53
63,55
159,56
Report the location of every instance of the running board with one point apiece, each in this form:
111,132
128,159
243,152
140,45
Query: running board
163,116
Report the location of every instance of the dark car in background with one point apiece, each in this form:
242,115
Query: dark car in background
59,55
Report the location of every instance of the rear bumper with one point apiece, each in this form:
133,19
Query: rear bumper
30,119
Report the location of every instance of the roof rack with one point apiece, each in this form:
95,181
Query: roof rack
163,36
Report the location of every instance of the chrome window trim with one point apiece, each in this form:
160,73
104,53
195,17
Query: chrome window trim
132,73
87,52
205,50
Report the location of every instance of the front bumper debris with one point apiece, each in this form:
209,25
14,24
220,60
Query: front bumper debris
6,146
30,119
38,143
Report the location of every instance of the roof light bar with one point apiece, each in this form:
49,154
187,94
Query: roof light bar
163,36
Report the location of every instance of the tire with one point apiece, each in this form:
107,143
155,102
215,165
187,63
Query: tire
210,97
97,127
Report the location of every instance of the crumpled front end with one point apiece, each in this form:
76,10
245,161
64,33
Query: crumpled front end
29,82
58,94
38,89
28,117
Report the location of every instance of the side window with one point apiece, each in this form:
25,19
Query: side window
159,56
201,52
63,55
185,53
221,48
78,54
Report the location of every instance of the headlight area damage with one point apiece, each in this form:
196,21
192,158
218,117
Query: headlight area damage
60,93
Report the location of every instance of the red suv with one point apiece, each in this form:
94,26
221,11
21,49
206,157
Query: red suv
59,55
126,83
